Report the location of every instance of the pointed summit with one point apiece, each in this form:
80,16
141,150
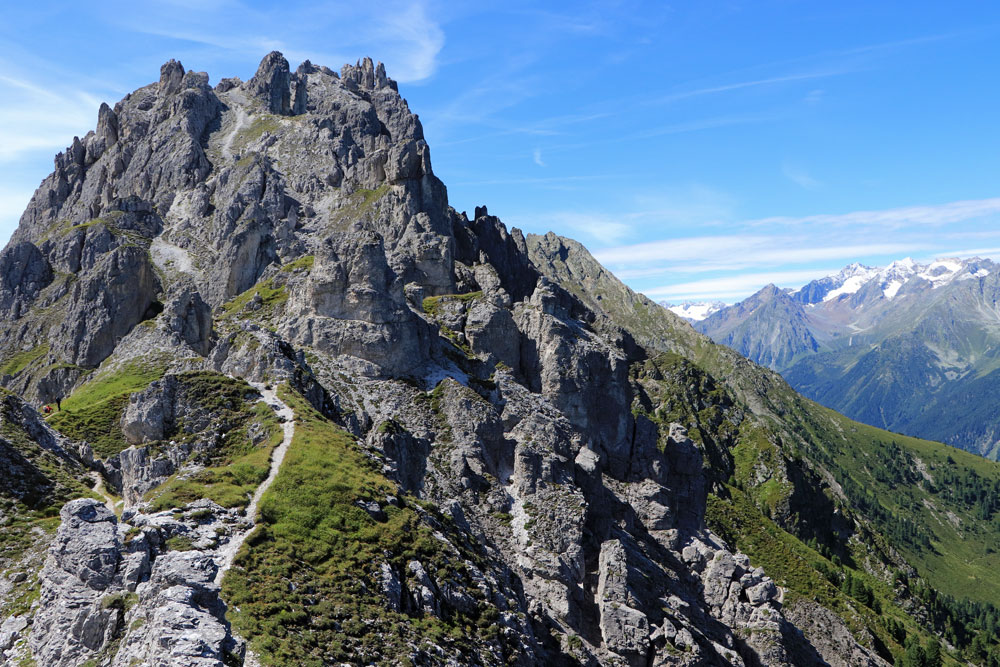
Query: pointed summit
171,76
272,84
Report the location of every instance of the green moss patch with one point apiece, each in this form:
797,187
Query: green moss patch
23,359
234,470
304,583
432,304
272,296
305,262
93,412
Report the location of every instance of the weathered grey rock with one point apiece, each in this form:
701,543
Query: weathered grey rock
24,272
391,587
182,620
423,589
149,414
625,630
79,571
10,631
190,318
762,592
272,84
104,306
314,241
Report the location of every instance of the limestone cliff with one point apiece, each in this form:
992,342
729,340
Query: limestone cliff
257,293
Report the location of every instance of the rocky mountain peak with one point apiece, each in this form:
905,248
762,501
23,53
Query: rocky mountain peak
467,445
272,84
171,76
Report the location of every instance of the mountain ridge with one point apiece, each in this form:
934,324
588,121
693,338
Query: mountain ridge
500,453
878,336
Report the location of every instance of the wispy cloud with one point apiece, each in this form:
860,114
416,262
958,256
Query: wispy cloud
936,214
402,34
715,253
798,175
740,285
603,229
536,155
742,85
814,97
33,118
787,250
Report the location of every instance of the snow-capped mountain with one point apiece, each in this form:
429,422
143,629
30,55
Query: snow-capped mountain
866,340
891,278
847,281
694,311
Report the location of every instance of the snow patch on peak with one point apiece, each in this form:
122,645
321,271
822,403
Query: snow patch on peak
694,311
890,290
851,279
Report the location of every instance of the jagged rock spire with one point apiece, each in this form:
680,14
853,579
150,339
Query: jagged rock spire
171,76
272,83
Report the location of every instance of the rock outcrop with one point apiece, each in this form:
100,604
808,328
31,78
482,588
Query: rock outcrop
543,469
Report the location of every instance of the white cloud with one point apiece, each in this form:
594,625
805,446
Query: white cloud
940,214
798,175
603,229
33,118
537,157
737,286
715,253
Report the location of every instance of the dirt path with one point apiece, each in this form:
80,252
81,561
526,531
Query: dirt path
239,123
228,551
100,489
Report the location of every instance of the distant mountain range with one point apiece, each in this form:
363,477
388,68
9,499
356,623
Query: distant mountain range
694,311
909,347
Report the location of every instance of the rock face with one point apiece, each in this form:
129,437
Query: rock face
83,565
290,230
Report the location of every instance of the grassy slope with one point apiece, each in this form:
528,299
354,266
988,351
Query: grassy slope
34,485
93,412
808,439
314,536
240,462
964,559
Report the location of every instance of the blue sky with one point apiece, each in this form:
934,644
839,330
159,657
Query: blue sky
700,149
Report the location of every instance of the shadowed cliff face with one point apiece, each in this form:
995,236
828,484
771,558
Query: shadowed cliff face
501,455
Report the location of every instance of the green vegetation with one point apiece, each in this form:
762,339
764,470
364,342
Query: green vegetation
305,262
862,600
305,582
237,465
23,359
936,505
94,411
122,600
757,463
179,543
35,485
677,391
432,304
360,204
233,471
272,297
260,124
942,531
364,198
